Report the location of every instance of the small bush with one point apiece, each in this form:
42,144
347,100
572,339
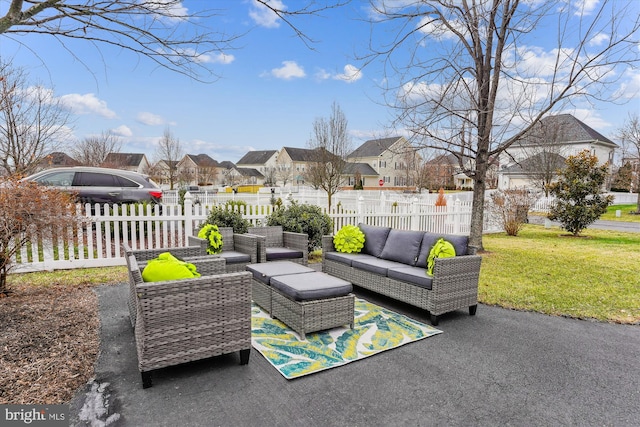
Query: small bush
226,217
511,207
307,219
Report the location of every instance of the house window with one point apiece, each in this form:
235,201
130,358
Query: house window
383,163
387,179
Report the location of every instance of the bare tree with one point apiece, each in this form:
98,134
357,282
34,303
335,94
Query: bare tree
474,90
629,135
93,150
331,144
169,152
32,122
164,31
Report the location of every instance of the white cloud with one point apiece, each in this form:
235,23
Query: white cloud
86,104
265,17
204,58
289,70
351,74
599,39
630,89
168,9
149,119
122,130
585,7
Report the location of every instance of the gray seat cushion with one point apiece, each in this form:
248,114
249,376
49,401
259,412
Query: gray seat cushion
275,254
345,258
265,271
414,275
235,257
374,239
402,246
375,265
311,286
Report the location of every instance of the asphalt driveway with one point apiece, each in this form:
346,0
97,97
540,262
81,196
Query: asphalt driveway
500,367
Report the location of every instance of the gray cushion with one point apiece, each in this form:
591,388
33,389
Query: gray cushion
345,258
310,286
274,254
414,275
374,239
265,271
460,243
375,265
235,257
402,246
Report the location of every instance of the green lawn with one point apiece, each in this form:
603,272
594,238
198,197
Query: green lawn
625,213
544,270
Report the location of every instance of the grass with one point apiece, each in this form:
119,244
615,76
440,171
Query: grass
625,213
76,278
544,270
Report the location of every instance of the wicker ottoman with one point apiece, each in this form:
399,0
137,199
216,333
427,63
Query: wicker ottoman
310,302
262,275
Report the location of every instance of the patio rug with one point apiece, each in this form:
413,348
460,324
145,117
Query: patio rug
376,330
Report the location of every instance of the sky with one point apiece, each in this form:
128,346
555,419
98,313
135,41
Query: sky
271,87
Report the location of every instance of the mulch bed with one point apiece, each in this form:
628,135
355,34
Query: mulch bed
48,343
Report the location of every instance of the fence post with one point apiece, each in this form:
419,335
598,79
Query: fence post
360,209
415,218
383,201
188,214
456,216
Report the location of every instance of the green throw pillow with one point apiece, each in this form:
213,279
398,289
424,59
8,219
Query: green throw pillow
168,267
349,239
441,249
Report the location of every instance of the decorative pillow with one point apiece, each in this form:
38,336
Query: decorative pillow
349,239
374,239
210,233
441,249
168,267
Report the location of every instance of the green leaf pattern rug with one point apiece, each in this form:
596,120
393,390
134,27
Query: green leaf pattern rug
376,330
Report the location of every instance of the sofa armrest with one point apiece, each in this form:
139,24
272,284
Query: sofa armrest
298,241
460,272
261,245
327,244
247,244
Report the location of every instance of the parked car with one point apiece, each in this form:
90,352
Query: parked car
101,185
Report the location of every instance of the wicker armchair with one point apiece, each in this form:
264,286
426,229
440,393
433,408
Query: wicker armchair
180,321
145,255
274,244
238,250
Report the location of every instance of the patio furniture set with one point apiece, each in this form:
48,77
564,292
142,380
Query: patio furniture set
184,320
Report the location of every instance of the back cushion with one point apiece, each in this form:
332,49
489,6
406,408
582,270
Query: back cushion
374,239
459,242
402,246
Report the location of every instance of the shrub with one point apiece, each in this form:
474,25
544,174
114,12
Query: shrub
441,200
307,219
210,233
511,207
225,217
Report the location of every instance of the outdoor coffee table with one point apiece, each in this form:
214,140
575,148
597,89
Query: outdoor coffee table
263,274
310,302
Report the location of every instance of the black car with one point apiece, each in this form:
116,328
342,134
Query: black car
101,185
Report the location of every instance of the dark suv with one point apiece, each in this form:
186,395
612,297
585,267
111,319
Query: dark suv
101,185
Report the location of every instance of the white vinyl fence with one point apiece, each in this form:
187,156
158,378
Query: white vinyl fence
97,241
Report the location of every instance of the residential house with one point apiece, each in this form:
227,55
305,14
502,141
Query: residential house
198,169
395,159
135,162
56,160
292,163
250,176
363,172
563,135
160,172
263,161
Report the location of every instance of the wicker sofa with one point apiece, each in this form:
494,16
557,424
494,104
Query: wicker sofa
393,263
180,321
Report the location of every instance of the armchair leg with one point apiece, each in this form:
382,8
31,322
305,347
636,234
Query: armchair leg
434,319
244,356
146,379
472,309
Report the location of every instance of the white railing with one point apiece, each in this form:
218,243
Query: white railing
97,241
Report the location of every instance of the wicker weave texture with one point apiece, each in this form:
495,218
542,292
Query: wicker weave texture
272,235
313,315
185,320
261,295
244,243
454,285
